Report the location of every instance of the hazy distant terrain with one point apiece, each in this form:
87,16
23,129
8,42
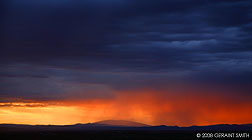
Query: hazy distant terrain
113,129
122,123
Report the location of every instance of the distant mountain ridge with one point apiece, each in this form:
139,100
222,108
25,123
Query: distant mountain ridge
122,125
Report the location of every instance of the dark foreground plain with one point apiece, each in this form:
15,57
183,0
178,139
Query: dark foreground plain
105,132
98,135
110,135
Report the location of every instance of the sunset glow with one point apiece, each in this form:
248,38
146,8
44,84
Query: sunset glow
159,62
145,107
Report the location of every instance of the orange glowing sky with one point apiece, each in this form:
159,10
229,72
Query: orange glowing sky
161,62
146,107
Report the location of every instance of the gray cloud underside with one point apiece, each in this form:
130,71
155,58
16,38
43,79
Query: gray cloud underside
53,48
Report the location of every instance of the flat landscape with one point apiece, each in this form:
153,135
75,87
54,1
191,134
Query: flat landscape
119,130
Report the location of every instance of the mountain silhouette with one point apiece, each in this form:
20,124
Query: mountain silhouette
121,123
114,130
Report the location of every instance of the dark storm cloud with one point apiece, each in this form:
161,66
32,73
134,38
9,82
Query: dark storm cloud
51,45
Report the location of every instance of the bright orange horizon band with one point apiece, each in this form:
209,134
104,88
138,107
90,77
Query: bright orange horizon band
149,108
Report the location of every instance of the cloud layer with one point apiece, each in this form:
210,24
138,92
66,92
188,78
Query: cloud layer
58,50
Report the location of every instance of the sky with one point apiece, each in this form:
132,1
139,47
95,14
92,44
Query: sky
159,62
